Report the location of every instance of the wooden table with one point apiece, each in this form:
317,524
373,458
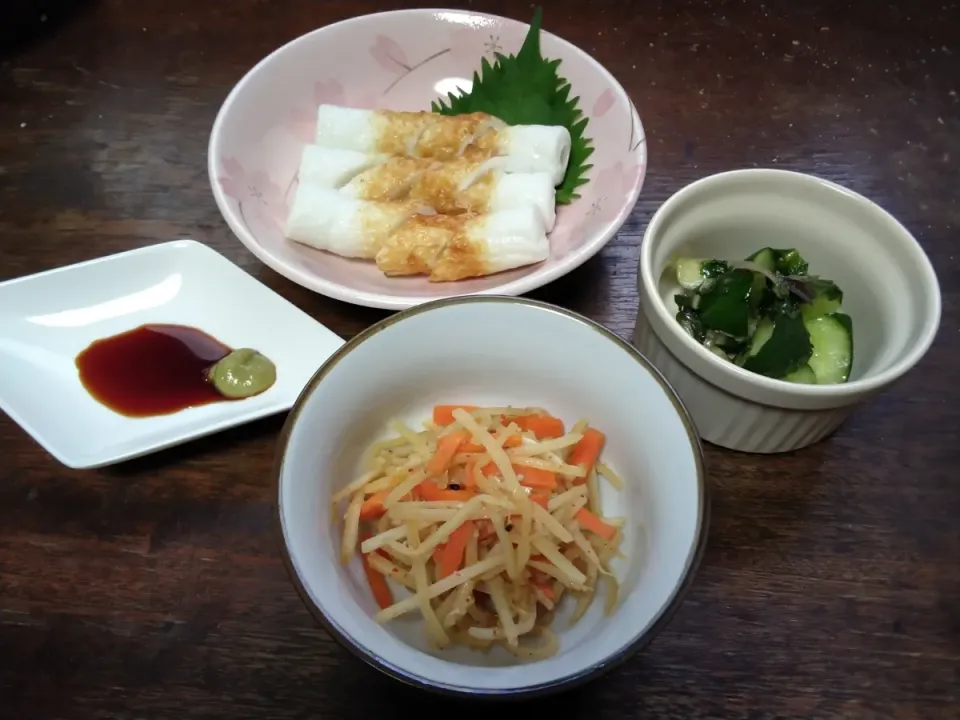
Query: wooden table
831,583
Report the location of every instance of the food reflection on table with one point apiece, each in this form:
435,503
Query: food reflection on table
160,369
490,516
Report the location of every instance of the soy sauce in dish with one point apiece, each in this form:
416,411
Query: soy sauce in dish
159,369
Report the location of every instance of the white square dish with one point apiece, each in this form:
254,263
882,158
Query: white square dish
47,319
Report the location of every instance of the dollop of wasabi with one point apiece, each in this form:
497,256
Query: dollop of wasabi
243,373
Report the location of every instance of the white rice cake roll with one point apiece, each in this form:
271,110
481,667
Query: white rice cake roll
333,168
411,134
327,219
455,247
457,186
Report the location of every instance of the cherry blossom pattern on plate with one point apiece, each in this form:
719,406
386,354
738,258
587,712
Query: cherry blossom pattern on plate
259,200
611,187
635,140
469,45
302,120
599,204
390,56
603,103
568,231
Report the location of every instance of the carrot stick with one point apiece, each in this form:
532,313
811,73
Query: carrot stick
543,427
540,499
454,549
378,583
594,524
546,589
469,476
446,448
529,477
372,507
485,529
438,553
431,492
510,442
587,452
443,414
532,477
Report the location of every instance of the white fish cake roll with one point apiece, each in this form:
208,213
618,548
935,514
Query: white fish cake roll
329,220
480,187
333,168
390,180
535,148
455,247
451,187
414,134
513,238
344,128
529,148
525,190
446,138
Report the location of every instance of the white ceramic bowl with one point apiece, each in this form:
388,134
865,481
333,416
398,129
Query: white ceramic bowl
494,350
404,60
890,292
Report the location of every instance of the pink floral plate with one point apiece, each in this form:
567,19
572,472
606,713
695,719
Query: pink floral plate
403,60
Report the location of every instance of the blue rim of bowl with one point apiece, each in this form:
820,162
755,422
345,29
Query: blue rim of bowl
666,612
328,288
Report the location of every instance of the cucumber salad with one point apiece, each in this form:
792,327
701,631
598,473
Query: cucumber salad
768,315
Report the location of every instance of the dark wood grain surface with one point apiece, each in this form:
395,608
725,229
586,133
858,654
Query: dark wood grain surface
831,583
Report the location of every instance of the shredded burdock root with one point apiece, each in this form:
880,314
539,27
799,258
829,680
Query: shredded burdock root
489,517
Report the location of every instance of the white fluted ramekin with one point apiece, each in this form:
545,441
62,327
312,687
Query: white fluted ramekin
890,292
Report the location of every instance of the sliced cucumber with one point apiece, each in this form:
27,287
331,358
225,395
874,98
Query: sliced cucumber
765,258
790,262
726,307
722,340
690,273
758,290
832,339
763,333
714,268
787,349
804,375
821,305
690,321
694,273
752,317
826,288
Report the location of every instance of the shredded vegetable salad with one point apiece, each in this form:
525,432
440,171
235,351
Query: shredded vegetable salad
490,517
